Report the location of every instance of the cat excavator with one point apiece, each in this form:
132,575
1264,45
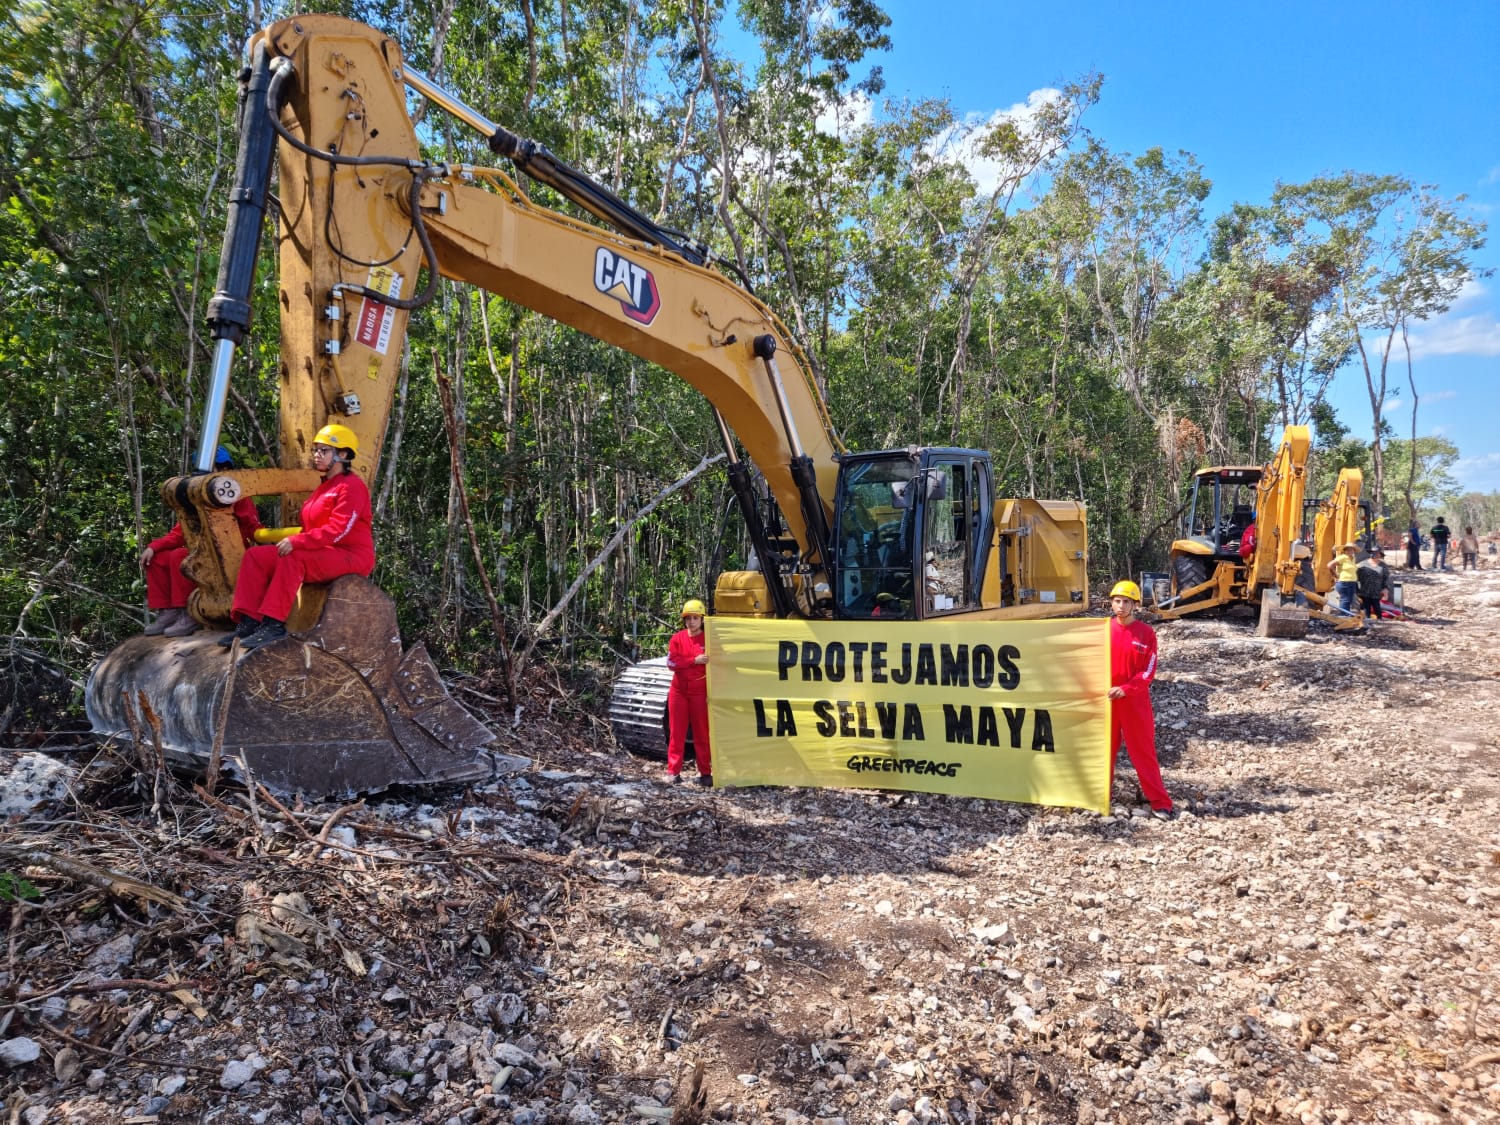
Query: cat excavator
339,706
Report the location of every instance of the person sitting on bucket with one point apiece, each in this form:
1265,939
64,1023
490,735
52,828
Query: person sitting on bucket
1132,667
335,539
167,588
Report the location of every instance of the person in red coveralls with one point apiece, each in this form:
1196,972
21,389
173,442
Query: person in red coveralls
1132,667
687,701
1247,544
167,588
335,539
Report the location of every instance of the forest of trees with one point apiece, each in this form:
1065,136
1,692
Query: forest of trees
1080,316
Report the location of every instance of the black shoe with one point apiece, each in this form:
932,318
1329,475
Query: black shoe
706,780
242,632
270,630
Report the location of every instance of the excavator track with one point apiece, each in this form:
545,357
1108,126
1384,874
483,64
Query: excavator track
336,710
638,709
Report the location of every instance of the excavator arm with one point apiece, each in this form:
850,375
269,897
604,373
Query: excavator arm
363,215
1278,513
1337,522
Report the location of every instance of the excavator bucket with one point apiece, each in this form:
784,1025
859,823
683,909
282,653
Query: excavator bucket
334,710
1280,619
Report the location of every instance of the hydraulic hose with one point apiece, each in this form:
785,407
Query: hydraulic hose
421,171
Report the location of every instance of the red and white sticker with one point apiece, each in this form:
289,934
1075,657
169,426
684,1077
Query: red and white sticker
375,321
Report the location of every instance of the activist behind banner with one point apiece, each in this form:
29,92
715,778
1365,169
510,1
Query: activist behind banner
1014,711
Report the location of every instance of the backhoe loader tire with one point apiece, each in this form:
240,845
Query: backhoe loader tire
1190,571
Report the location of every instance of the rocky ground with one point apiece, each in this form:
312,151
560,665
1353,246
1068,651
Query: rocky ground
1314,939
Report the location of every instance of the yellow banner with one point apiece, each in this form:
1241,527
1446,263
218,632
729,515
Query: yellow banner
1010,710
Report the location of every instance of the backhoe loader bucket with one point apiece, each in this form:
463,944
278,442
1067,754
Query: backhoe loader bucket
1280,619
334,710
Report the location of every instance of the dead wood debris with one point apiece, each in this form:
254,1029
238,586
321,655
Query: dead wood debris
1313,941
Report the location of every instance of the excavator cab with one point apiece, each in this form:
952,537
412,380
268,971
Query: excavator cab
913,530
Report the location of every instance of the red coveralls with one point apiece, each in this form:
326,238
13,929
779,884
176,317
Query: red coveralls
687,702
336,539
166,586
1132,666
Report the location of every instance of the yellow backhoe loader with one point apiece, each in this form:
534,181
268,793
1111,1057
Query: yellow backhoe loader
1241,545
338,706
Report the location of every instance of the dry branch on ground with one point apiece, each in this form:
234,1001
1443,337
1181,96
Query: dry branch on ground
1314,940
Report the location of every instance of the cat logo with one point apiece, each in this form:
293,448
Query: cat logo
630,284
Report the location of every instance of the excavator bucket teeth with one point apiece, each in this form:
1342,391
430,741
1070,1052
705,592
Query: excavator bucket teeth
334,711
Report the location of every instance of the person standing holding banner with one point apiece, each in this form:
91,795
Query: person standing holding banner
1132,667
687,699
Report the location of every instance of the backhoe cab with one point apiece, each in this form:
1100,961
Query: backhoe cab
1221,511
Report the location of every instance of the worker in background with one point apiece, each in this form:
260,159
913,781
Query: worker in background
1247,544
1468,546
1440,533
687,699
1374,585
931,580
1345,570
335,538
167,588
1132,667
1413,540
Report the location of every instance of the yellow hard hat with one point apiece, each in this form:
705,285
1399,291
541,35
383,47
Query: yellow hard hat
339,437
693,608
1125,588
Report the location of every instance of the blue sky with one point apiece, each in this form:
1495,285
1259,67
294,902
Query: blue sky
1262,93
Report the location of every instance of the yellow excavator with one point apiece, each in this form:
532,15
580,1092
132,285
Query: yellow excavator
1242,544
338,705
1342,518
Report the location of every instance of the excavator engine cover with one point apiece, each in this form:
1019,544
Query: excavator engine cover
333,711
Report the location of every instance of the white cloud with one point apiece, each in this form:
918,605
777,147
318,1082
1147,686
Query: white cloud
844,121
1478,474
1458,335
962,141
1473,292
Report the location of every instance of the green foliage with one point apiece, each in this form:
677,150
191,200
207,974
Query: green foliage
13,888
1073,311
1433,489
